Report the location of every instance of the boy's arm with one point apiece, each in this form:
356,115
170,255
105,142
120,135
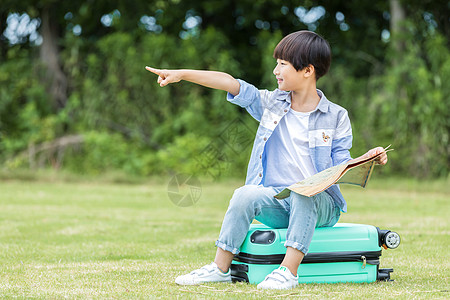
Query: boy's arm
211,79
343,143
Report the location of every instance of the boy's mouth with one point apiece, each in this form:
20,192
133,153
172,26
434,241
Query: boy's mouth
279,80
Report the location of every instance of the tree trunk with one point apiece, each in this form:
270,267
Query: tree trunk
49,54
3,41
398,16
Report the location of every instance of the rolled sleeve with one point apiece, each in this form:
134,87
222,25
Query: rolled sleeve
249,97
247,94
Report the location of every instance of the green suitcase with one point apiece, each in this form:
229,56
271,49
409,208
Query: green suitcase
342,253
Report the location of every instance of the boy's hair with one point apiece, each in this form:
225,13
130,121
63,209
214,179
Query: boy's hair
303,48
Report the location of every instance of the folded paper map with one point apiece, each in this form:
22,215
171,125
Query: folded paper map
357,172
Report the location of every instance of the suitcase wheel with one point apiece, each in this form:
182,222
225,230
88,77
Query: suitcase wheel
385,274
388,239
239,273
392,240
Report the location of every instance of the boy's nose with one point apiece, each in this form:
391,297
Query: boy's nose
275,71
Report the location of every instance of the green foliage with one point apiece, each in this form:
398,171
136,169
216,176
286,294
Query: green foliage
24,111
413,107
180,156
100,152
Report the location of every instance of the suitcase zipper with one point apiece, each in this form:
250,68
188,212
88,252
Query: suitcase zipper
366,257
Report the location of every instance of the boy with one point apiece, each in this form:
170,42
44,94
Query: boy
300,133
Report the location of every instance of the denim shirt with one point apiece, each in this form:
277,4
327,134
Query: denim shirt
329,130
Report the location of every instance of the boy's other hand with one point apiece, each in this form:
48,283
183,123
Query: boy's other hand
165,76
382,159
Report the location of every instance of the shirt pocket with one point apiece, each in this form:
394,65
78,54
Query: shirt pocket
321,138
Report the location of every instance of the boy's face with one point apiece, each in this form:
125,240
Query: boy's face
288,78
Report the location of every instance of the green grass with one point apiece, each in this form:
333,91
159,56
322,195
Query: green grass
105,240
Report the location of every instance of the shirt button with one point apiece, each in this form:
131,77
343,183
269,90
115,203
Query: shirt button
275,122
285,110
260,156
265,139
260,175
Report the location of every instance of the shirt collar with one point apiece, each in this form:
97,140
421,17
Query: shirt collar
323,103
322,106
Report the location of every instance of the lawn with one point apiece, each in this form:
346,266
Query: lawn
103,240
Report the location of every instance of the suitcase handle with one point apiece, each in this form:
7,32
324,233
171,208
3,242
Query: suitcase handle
264,237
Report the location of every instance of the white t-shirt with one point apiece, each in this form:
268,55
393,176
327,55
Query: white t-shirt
287,158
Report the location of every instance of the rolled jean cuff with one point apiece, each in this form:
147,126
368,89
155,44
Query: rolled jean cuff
227,248
297,246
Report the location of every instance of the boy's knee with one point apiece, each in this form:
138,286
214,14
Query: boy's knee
244,196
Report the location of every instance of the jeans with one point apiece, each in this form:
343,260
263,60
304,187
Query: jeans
299,214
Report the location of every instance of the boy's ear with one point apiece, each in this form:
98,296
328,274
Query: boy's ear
309,70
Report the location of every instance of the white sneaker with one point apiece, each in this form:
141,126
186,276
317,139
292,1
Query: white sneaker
208,273
279,279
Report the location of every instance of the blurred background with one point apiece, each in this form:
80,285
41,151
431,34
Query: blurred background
75,97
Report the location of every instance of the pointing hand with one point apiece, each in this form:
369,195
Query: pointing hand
165,76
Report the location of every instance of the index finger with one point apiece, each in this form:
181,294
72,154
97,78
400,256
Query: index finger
153,70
